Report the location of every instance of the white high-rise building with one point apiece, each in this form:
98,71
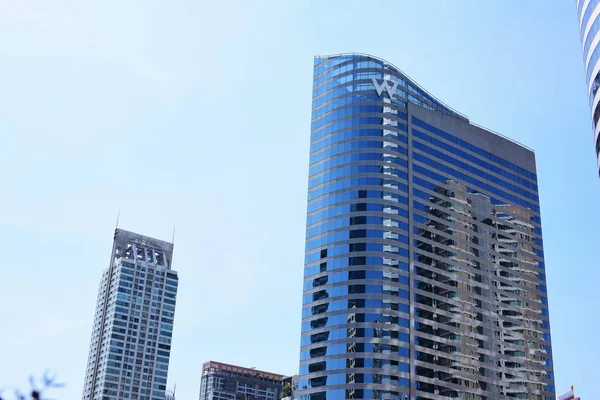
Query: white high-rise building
133,326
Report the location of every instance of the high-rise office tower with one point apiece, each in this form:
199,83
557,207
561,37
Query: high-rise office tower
131,337
588,12
424,271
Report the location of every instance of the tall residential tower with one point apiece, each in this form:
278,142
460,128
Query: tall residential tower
588,12
131,337
424,271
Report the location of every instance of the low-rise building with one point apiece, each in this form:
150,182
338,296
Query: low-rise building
289,387
570,395
170,395
222,381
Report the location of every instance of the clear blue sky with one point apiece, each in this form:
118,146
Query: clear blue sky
197,115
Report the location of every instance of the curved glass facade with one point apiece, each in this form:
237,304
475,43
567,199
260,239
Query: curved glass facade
424,269
589,28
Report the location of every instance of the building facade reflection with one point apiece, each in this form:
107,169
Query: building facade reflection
424,272
588,13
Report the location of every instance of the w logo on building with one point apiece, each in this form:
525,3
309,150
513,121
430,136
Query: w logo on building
385,85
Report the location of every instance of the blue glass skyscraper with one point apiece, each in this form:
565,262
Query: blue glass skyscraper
588,12
424,271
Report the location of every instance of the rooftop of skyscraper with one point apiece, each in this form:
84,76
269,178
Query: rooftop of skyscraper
443,107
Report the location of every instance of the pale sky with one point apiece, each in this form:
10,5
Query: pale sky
197,115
